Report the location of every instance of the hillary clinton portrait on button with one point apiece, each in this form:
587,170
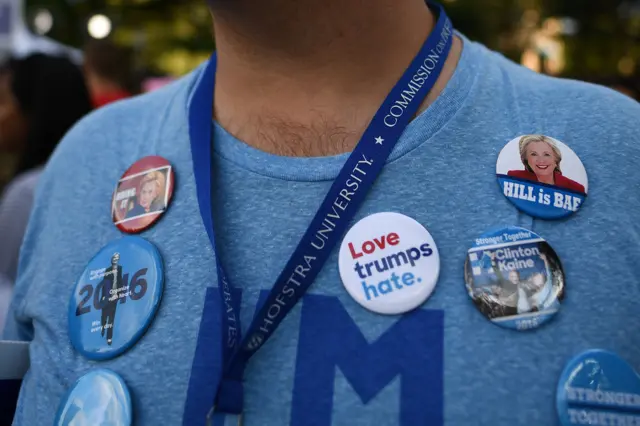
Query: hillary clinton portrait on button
541,158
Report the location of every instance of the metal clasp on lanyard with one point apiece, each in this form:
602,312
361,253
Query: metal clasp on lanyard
211,413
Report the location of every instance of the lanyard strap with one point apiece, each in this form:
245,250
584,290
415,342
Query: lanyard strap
345,196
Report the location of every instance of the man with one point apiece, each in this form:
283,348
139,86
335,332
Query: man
108,70
296,85
109,299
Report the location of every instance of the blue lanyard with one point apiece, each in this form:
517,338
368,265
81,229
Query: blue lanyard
336,211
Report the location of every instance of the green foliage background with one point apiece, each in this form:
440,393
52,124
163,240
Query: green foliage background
171,36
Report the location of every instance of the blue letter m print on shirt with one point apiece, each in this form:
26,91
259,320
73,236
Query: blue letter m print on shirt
411,348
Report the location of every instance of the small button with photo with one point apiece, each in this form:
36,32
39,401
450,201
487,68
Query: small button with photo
514,278
142,194
542,177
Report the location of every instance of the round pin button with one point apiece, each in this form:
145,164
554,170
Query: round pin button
116,298
142,194
100,397
598,388
389,263
514,278
542,177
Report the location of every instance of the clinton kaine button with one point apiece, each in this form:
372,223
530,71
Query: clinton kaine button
143,194
115,298
389,263
542,177
598,388
100,397
514,278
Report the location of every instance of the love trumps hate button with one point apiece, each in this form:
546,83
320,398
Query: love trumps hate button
389,263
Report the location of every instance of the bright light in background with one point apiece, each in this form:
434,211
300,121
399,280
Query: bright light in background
43,21
99,26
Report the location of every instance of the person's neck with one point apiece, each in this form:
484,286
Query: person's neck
304,78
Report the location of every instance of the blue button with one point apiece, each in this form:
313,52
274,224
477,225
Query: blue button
116,298
100,397
514,278
598,388
542,177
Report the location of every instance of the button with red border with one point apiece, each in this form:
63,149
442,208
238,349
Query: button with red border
142,194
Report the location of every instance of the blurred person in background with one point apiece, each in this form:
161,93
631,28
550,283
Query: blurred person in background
108,70
41,97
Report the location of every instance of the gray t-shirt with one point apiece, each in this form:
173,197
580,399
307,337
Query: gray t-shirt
15,208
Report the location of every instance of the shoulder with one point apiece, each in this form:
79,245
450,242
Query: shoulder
600,125
102,145
93,155
540,99
118,127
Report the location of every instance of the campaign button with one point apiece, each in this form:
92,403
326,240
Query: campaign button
542,177
389,263
116,298
598,388
514,278
100,397
142,194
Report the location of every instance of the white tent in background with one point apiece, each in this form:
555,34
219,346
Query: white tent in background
25,43
16,39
